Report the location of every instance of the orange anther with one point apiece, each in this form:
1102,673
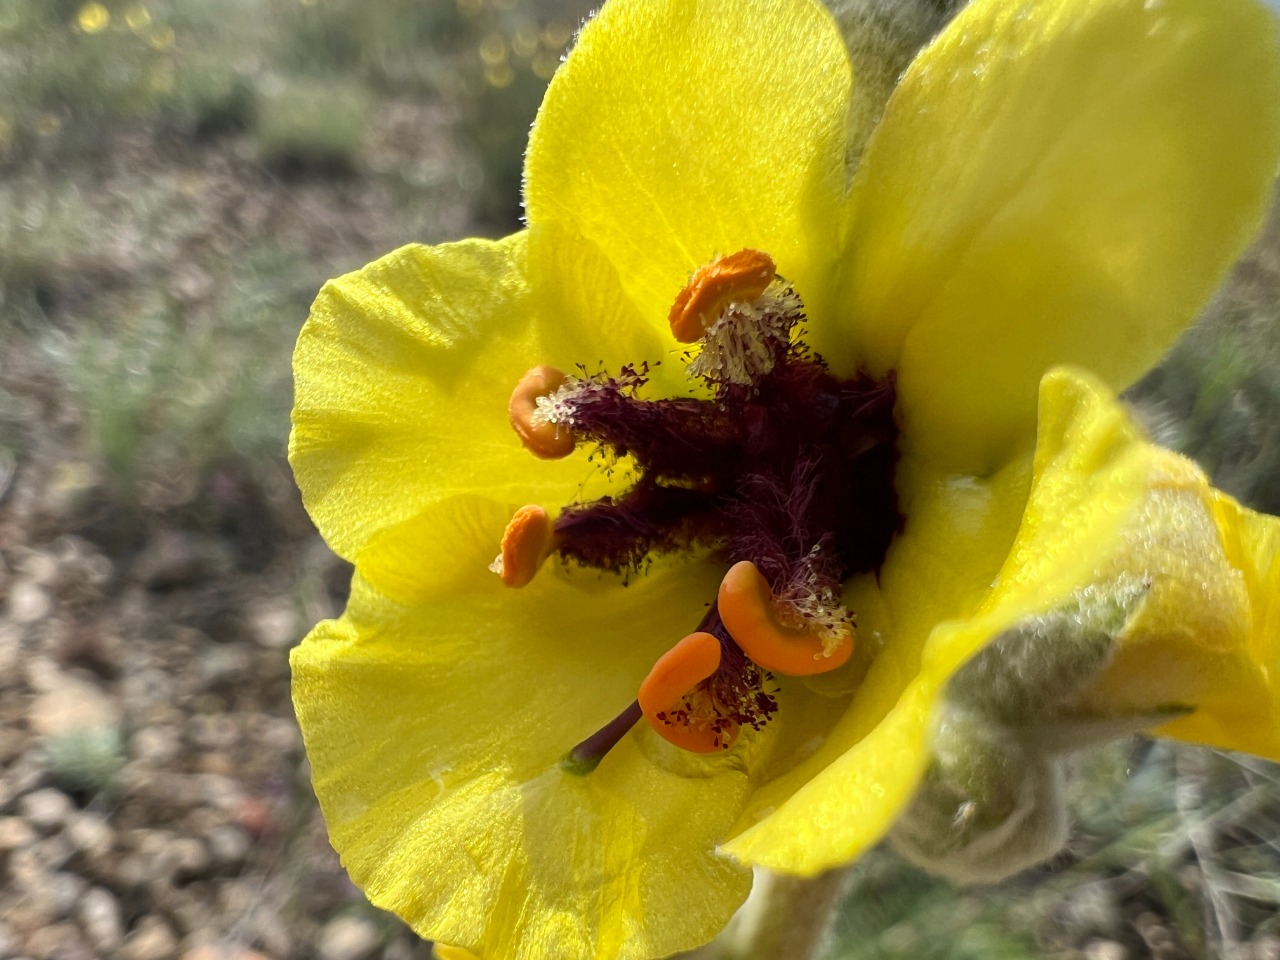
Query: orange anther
746,607
738,278
549,441
528,540
664,691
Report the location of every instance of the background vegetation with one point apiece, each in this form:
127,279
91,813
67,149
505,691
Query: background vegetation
176,181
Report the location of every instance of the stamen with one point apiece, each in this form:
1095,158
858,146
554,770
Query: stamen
782,469
526,543
541,435
668,696
738,278
747,608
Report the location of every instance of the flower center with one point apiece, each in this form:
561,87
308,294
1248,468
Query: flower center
784,472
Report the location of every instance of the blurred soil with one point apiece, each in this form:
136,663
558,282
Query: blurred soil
154,800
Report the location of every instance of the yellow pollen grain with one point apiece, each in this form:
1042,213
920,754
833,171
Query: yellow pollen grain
93,18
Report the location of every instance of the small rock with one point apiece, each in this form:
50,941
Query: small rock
99,914
40,567
223,951
50,853
229,847
15,833
72,704
176,559
10,653
1105,950
275,623
132,871
282,735
273,934
218,763
29,602
56,942
185,859
220,792
30,773
151,939
224,665
90,834
159,745
147,686
256,816
218,731
400,949
348,938
46,810
65,891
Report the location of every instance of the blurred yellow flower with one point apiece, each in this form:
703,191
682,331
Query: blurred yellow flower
1052,183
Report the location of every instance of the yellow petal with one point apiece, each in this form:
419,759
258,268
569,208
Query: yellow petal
1056,182
677,131
434,732
402,376
445,952
570,277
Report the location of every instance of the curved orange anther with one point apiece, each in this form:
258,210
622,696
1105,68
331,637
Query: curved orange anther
738,278
746,607
550,441
528,540
664,690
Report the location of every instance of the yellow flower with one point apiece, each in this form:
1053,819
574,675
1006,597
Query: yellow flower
1055,182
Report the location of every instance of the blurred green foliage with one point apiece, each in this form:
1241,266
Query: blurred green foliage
1216,396
116,118
74,72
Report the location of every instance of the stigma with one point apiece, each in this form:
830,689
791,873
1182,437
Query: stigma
775,466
